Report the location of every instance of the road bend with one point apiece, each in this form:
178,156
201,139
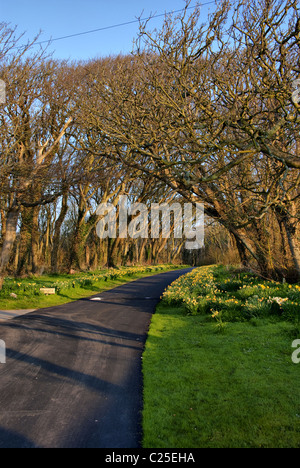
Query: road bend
73,374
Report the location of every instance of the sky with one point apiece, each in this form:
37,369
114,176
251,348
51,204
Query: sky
58,18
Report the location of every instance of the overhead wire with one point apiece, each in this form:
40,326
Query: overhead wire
113,26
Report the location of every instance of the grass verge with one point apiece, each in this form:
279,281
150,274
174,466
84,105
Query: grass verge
230,386
70,287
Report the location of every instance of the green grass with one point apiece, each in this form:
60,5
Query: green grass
212,386
233,295
70,287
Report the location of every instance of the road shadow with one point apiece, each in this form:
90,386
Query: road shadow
11,439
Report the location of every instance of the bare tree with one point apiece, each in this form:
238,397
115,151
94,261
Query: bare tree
34,121
208,110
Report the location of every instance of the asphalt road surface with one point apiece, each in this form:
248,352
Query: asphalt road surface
73,377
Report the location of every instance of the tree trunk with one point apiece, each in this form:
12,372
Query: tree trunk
83,230
115,243
290,232
25,239
56,237
142,251
35,240
294,245
9,239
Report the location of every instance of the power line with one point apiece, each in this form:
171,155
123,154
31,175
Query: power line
105,28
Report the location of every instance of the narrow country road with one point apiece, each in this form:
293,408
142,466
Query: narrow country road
72,377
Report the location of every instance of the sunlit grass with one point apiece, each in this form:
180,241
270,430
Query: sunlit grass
213,386
70,287
234,294
206,389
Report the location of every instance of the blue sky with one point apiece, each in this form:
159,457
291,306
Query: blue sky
57,18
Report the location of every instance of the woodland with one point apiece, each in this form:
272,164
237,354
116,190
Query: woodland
204,110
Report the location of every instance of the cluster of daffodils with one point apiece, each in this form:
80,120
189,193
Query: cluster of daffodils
278,300
185,288
80,281
221,292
